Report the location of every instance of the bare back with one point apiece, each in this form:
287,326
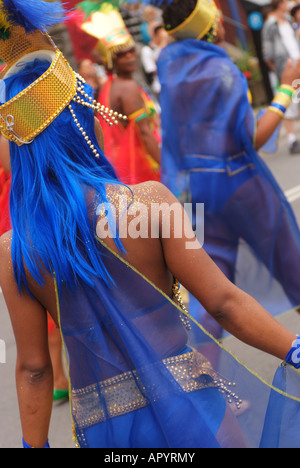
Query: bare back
125,96
144,250
160,258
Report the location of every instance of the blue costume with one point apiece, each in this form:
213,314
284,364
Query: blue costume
139,377
143,389
208,156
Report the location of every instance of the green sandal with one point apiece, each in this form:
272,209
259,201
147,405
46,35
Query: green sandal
60,395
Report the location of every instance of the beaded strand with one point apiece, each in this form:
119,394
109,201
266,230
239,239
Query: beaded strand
81,129
108,115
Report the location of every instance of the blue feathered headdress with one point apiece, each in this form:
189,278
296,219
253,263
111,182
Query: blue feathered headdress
32,15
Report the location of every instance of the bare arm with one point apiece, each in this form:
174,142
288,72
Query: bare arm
34,377
132,101
266,126
268,123
233,309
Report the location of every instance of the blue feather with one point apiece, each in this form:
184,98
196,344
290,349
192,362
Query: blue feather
34,15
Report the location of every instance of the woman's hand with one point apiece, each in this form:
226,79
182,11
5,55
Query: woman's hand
267,124
291,74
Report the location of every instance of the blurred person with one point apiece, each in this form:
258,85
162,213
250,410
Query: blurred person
151,16
135,382
266,12
61,385
89,70
295,13
209,156
132,15
133,147
150,54
279,44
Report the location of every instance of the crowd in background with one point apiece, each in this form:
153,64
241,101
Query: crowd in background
280,40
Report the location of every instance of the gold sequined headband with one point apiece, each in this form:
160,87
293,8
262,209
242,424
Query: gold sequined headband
29,113
26,115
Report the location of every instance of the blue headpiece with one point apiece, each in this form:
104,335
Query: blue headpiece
55,173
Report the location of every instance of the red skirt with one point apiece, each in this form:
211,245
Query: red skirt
5,183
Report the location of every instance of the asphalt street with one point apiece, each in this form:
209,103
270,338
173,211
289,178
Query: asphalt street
286,169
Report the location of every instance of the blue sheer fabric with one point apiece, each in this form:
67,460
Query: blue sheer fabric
140,379
208,156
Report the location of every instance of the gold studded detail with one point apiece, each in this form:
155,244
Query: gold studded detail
177,298
84,99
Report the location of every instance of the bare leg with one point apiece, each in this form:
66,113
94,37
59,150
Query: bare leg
55,348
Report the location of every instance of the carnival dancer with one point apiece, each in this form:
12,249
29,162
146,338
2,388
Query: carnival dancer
133,147
209,156
134,380
55,343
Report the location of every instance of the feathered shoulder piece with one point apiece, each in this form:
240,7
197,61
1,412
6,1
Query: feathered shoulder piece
32,15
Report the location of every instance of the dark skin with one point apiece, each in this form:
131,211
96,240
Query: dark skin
4,154
126,98
55,346
270,120
234,310
267,124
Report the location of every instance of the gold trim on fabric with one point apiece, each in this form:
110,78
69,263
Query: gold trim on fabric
207,170
66,361
209,335
236,156
192,319
226,169
229,172
125,392
240,169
